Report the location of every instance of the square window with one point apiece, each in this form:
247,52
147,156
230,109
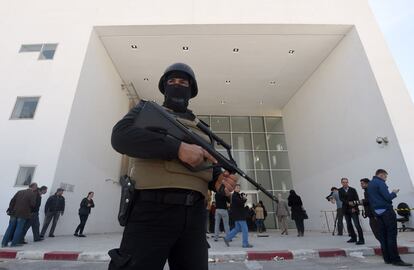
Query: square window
279,160
242,141
25,175
220,123
240,124
274,124
261,160
30,48
48,51
276,142
259,141
244,159
225,137
257,124
25,108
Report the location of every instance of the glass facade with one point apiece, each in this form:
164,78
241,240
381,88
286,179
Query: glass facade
259,148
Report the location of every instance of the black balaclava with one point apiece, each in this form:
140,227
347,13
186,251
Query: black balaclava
176,97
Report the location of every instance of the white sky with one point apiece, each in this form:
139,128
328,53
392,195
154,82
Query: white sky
396,20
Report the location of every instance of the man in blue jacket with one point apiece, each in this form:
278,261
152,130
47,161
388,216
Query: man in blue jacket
381,203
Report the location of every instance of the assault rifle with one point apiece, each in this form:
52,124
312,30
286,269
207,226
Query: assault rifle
155,118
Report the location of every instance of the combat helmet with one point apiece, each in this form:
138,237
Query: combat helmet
179,67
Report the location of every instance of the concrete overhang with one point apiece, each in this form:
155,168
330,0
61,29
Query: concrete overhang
240,69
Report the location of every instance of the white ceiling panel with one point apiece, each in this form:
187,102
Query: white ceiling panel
262,58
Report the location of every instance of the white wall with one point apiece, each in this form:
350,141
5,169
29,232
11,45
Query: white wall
87,158
331,125
39,141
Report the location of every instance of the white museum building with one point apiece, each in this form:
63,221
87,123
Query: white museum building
306,91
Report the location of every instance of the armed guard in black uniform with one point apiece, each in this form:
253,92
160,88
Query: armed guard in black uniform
167,220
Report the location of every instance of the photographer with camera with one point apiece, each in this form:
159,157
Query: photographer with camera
239,216
368,213
339,220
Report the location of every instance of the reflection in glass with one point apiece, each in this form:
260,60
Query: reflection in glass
261,160
225,137
263,178
274,124
244,159
282,180
244,184
259,141
279,160
223,152
270,221
240,124
47,52
260,150
220,123
205,119
276,142
257,124
242,141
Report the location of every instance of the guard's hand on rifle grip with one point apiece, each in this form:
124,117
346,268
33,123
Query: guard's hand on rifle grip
193,154
226,183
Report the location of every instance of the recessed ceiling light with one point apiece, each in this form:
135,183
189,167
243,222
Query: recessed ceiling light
146,79
272,82
185,48
236,50
291,52
227,81
222,102
133,46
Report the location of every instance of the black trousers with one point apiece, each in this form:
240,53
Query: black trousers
35,224
300,226
387,226
354,217
373,223
156,232
340,220
48,218
81,226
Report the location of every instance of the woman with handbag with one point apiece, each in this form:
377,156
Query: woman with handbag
84,211
298,213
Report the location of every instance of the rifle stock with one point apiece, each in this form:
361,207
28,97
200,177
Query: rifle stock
155,118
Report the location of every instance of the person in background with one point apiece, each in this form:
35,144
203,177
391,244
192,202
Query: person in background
368,212
380,200
251,218
239,214
259,217
84,211
211,217
221,214
265,215
54,207
282,213
296,205
20,210
348,195
334,198
34,220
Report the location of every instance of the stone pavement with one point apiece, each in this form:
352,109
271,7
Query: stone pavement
274,247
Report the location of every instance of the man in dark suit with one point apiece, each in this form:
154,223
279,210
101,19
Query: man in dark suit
348,196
